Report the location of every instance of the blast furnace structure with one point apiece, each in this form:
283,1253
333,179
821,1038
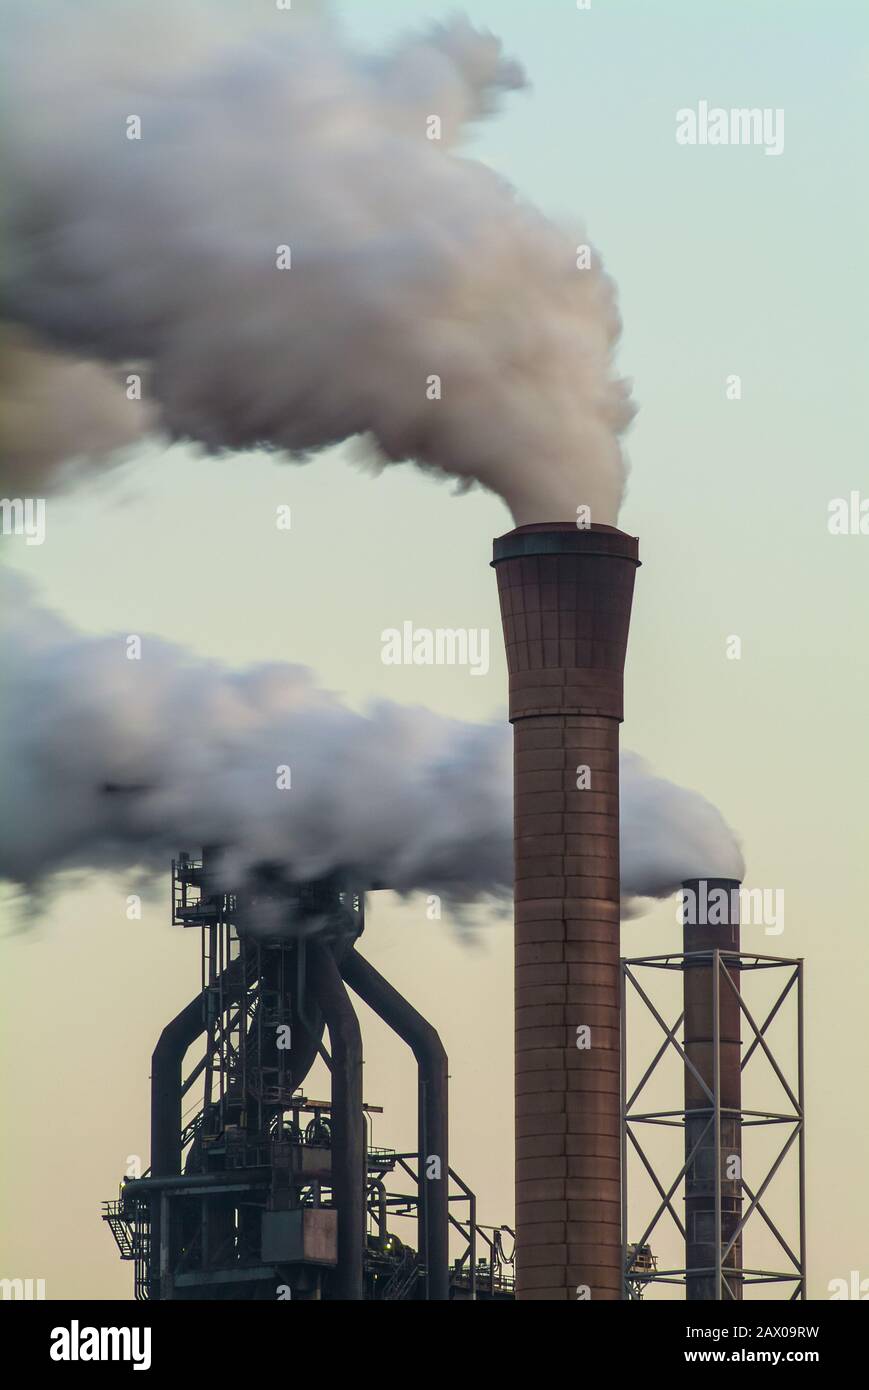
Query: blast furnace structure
261,1191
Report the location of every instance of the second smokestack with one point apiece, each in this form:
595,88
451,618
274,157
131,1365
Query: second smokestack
710,920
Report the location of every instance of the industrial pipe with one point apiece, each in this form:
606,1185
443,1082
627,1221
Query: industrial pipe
275,967
348,1145
166,1062
713,1179
565,596
433,1120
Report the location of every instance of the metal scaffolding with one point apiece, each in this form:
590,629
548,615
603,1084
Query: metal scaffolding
729,1275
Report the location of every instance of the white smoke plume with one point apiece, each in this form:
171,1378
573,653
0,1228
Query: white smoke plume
116,764
409,261
668,834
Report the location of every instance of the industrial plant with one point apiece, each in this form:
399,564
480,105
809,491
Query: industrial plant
245,237
266,1192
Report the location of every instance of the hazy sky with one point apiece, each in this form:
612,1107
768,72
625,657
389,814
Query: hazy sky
728,261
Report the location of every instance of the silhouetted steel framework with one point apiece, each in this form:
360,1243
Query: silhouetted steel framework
264,1192
720,1199
565,599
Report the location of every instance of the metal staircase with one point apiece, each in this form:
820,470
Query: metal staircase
404,1280
120,1228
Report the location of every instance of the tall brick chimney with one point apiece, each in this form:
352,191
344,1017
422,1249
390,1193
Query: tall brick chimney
566,600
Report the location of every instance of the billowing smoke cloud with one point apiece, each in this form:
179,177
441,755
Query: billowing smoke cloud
426,307
60,416
668,834
111,763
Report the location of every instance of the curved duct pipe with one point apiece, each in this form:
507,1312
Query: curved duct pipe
431,1059
166,1061
348,1147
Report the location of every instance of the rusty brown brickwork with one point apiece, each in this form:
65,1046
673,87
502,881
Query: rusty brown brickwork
565,603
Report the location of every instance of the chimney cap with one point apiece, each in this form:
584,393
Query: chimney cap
564,526
566,538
